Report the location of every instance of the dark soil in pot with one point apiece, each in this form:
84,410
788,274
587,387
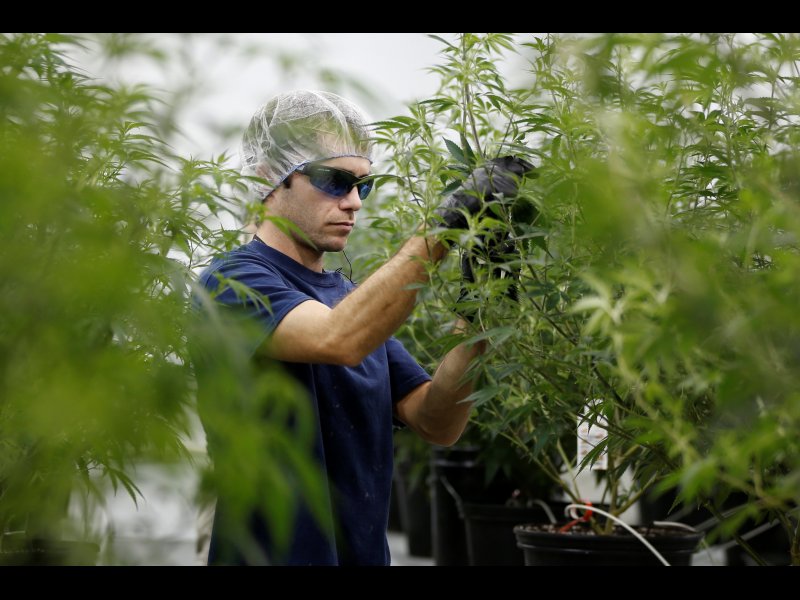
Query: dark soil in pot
544,545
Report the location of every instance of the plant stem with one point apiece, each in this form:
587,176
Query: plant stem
467,108
560,448
545,464
613,487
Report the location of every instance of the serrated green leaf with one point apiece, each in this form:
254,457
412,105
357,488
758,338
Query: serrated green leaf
456,152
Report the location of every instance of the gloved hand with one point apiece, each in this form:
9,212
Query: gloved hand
496,251
497,176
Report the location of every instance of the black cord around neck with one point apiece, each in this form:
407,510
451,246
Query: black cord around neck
350,265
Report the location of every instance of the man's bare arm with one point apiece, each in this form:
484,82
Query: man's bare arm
365,319
435,410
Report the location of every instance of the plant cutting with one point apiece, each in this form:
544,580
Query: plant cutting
653,260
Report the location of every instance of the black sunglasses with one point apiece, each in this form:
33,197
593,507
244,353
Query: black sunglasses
336,182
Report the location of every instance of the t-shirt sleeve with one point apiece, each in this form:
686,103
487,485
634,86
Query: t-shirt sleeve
275,297
404,372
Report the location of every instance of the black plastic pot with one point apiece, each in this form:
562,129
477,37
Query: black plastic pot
457,477
490,532
415,512
771,544
579,548
395,520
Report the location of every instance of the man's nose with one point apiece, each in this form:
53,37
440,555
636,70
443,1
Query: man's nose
351,200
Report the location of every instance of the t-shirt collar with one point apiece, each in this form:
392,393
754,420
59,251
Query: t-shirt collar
285,262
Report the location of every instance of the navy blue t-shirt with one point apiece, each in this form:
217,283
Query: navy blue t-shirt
353,406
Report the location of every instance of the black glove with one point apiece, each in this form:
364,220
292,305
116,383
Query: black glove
496,250
498,176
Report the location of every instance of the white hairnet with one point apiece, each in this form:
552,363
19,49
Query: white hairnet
298,127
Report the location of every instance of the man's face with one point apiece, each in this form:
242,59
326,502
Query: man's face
326,220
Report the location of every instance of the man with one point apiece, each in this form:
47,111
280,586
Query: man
334,337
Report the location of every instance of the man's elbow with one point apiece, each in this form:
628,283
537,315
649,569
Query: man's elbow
351,360
442,437
349,356
445,441
342,352
350,351
341,359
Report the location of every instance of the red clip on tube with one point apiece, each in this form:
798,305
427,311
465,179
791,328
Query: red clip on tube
582,519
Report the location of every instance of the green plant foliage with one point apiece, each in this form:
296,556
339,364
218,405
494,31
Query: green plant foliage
656,254
103,226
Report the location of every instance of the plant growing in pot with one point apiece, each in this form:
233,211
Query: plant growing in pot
652,263
521,493
101,225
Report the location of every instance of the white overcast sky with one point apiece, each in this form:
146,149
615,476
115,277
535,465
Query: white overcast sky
234,80
392,65
236,73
